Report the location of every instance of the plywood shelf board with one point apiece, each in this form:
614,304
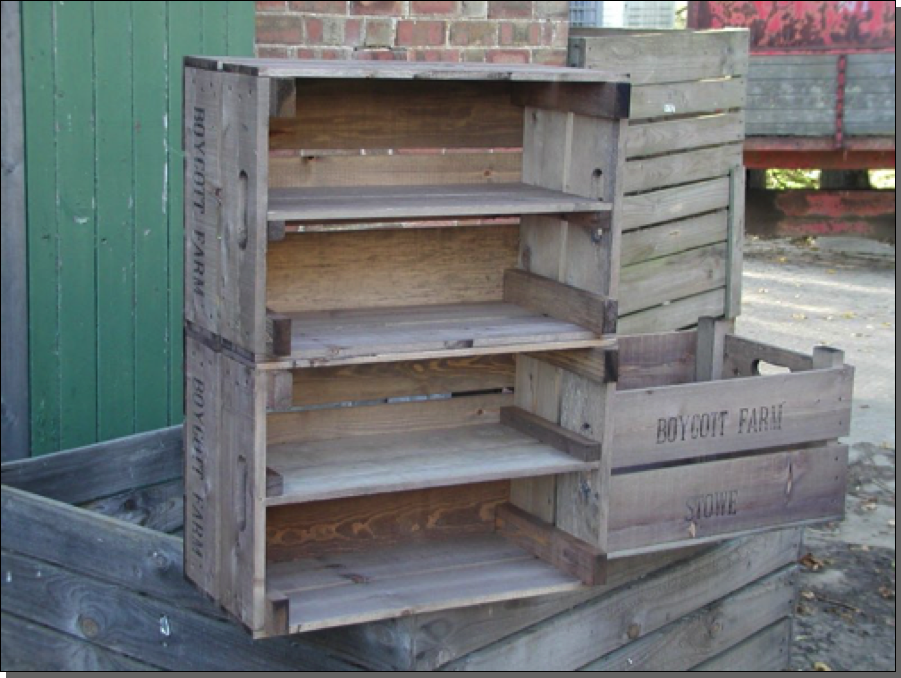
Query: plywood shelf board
347,203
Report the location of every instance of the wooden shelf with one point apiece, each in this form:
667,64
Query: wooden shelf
394,334
351,588
361,465
348,203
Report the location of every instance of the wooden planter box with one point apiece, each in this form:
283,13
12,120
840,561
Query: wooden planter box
706,446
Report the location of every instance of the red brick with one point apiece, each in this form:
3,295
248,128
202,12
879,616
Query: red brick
325,53
519,33
432,8
272,52
319,7
474,55
326,30
380,54
416,33
271,6
353,32
508,56
447,55
473,33
376,7
552,9
279,29
549,57
519,9
555,34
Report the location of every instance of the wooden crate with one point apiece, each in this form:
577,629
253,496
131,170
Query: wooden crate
400,334
683,211
93,581
717,435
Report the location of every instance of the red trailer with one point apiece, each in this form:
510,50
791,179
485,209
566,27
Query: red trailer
821,95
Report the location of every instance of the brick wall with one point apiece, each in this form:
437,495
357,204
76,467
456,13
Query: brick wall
457,30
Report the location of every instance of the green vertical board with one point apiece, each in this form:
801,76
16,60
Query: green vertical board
150,102
241,28
114,183
43,241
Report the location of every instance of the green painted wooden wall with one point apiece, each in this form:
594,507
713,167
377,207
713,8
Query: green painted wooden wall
103,97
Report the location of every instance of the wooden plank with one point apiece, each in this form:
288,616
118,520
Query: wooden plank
667,136
76,215
601,625
673,237
153,374
375,464
735,242
541,429
675,203
323,385
410,417
278,333
158,507
14,285
102,469
317,169
114,195
240,27
793,67
565,302
399,114
42,227
731,416
607,100
673,506
742,355
710,350
665,56
150,629
350,203
598,364
673,277
31,647
325,271
674,315
681,168
663,359
377,521
702,635
768,650
654,101
568,554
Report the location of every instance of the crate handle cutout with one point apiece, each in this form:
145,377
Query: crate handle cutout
243,216
242,493
763,368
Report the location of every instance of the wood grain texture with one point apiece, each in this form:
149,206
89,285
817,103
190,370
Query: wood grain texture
647,174
675,315
607,100
541,429
658,359
735,242
767,650
675,203
158,507
673,237
741,357
598,364
651,509
708,96
668,136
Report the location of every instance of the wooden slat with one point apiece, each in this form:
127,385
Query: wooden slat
654,101
421,202
326,271
608,100
373,464
665,359
741,356
551,434
664,56
676,314
598,364
102,469
152,630
667,136
565,302
674,277
675,203
410,417
323,385
768,650
735,242
367,523
158,507
674,506
31,647
701,636
681,168
711,336
571,640
673,237
572,556
690,420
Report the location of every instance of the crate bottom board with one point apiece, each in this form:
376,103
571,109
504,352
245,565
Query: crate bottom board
426,576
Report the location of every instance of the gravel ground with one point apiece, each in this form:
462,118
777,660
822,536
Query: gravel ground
840,292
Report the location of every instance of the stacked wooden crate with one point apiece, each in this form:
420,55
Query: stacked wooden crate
683,213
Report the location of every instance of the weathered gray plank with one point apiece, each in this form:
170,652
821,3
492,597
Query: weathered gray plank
673,237
27,646
158,507
648,360
735,242
654,101
767,650
152,630
14,433
666,136
674,315
591,630
702,635
793,67
669,204
681,168
96,471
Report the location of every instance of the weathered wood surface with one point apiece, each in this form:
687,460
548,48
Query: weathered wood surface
653,509
646,174
101,470
703,635
159,507
675,203
768,650
792,95
663,359
741,357
548,433
735,241
597,364
707,96
673,237
679,314
668,136
14,426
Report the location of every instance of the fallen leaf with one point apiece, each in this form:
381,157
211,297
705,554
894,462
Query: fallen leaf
811,562
891,523
808,595
799,316
821,666
886,592
889,621
848,315
830,271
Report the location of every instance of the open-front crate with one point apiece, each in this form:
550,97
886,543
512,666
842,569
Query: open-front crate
716,435
401,316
